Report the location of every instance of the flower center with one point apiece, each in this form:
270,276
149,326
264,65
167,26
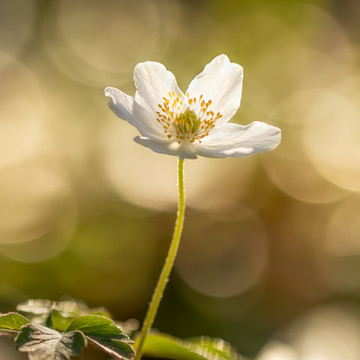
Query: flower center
188,118
187,123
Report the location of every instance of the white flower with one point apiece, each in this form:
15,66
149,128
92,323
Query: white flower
194,123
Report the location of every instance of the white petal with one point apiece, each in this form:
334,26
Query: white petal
234,140
220,82
120,103
153,82
128,109
166,147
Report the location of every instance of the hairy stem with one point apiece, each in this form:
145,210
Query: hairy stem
168,265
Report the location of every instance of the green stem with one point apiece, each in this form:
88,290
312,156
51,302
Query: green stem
168,265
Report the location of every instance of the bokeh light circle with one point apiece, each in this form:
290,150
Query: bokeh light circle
97,43
21,111
38,214
326,333
300,180
277,350
223,257
331,138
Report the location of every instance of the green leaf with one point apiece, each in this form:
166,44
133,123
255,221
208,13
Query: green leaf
165,346
42,343
12,322
104,333
217,348
58,321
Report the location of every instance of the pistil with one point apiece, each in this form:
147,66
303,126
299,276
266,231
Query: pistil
193,122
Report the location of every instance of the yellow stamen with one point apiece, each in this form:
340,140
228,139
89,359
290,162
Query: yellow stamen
192,123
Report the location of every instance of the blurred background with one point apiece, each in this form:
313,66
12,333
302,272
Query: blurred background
270,257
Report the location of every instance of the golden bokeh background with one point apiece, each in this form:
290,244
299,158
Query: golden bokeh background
270,257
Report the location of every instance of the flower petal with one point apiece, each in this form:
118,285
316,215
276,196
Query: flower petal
153,82
234,140
220,82
166,147
121,104
128,109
